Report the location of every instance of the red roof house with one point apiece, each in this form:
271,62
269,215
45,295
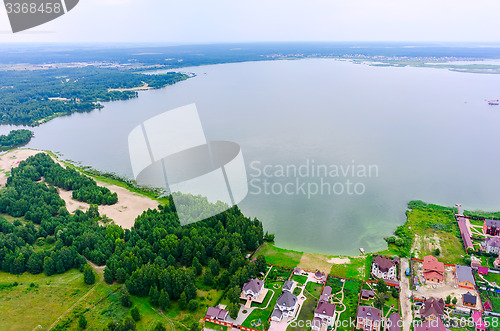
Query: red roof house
433,270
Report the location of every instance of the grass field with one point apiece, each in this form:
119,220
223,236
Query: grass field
314,289
356,269
306,313
351,291
264,314
300,279
279,256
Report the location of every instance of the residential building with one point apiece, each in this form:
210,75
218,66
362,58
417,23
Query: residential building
297,271
491,245
368,318
475,262
253,289
320,276
491,227
433,270
483,270
469,300
465,278
216,314
288,285
496,263
367,294
395,322
285,306
325,295
383,267
432,309
324,314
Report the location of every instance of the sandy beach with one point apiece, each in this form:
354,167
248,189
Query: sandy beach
123,213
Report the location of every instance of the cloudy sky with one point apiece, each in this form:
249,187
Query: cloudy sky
206,21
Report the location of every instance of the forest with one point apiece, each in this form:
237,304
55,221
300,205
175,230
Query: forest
158,257
15,138
30,97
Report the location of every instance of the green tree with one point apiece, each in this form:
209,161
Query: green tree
448,300
164,300
136,315
208,278
197,266
159,327
381,286
154,296
192,305
454,300
183,301
108,275
195,326
436,252
82,322
233,309
379,300
88,274
125,298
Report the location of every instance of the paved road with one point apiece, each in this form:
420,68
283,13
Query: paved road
405,293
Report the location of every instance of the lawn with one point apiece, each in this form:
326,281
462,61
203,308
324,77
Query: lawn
279,274
306,312
264,314
266,300
314,289
356,269
279,256
351,292
492,278
300,279
214,326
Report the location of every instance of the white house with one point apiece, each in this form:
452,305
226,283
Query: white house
492,245
285,306
253,289
323,315
383,267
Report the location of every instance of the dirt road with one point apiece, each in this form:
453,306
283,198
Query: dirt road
404,294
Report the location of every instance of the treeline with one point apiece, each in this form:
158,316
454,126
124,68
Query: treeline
158,257
27,97
15,138
41,165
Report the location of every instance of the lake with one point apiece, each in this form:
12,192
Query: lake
334,150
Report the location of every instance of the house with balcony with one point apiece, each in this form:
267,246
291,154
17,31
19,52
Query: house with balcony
383,267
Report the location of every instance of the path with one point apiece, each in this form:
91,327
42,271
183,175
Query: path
405,295
338,312
73,306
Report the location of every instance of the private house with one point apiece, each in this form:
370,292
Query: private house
491,227
483,270
325,311
434,325
319,276
395,322
368,318
285,306
496,263
491,245
288,285
297,271
383,267
433,270
469,300
478,321
253,289
432,309
216,314
465,278
475,262
464,232
367,294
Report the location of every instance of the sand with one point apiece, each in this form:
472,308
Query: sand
338,260
123,213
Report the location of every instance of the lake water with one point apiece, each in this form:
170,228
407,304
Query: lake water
424,133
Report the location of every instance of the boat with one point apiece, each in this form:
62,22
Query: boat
493,102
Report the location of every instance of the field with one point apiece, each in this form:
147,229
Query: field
300,279
306,313
314,289
351,292
357,268
279,256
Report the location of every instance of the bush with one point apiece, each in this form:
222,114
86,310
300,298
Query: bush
125,298
136,315
82,322
88,274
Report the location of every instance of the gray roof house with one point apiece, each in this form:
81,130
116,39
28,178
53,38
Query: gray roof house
464,277
325,295
492,244
285,306
288,285
253,288
215,313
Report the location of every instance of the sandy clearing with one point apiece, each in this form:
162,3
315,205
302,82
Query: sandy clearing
143,87
338,260
123,213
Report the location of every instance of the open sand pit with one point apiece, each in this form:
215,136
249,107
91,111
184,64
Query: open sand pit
123,213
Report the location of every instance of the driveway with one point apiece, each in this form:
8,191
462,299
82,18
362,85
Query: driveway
404,295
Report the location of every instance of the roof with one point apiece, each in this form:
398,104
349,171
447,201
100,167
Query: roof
286,299
327,291
319,274
369,313
477,318
432,306
276,313
288,285
493,223
316,322
367,293
217,312
464,231
483,270
254,285
432,263
394,324
433,274
297,270
493,241
384,264
464,273
431,325
469,298
325,308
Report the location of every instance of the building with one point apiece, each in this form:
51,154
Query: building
496,263
395,322
285,306
464,232
368,318
216,314
297,271
324,314
469,300
325,295
367,295
435,325
492,245
432,309
465,278
483,270
433,270
475,262
478,320
491,227
320,276
383,267
253,289
288,285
